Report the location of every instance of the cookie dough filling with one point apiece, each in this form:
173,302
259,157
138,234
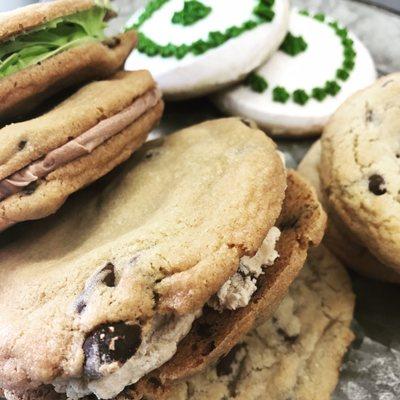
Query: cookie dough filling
156,348
80,146
106,376
238,290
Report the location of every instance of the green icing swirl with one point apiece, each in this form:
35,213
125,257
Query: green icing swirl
293,45
192,12
262,13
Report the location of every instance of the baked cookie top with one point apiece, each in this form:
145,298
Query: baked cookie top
159,238
195,47
338,238
319,64
296,354
359,167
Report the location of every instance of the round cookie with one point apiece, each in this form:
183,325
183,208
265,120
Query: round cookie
134,268
297,354
294,93
359,168
338,238
196,47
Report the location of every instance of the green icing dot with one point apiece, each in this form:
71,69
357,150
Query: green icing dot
306,13
342,74
264,11
257,83
293,45
280,94
320,17
192,12
319,94
300,96
332,88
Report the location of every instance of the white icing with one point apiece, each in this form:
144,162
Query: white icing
238,290
307,70
157,348
194,75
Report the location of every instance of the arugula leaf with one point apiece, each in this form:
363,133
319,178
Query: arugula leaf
50,39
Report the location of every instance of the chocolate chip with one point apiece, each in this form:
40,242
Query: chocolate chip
377,185
151,153
110,343
109,279
204,330
225,364
80,305
113,42
246,122
369,115
155,382
30,189
208,349
286,337
289,223
22,144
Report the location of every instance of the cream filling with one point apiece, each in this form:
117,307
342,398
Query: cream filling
80,146
239,289
161,343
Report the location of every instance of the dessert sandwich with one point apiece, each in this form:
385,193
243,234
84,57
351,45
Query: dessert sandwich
158,271
44,160
48,47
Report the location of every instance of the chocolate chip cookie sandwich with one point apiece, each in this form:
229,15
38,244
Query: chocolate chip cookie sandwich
318,66
44,160
203,228
354,169
47,47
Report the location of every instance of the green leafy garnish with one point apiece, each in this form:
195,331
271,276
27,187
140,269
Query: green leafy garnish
293,45
50,39
192,12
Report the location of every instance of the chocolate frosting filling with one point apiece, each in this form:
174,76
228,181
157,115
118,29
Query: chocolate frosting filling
80,146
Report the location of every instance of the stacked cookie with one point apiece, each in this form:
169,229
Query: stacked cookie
203,228
289,69
44,49
354,168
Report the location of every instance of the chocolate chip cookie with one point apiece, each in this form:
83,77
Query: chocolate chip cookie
204,225
359,168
